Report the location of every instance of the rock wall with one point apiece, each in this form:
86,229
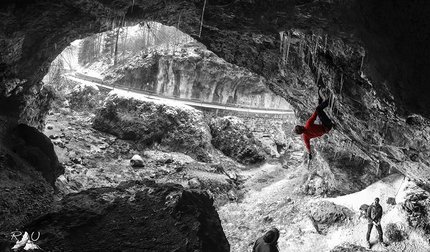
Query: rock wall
198,74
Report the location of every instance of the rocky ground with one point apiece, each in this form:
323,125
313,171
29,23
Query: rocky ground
249,199
101,190
96,159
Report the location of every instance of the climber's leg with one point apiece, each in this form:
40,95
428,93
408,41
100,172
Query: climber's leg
325,120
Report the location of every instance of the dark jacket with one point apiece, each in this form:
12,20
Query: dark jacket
374,213
263,244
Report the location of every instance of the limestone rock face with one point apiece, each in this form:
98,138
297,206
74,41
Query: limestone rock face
148,123
234,139
195,73
155,215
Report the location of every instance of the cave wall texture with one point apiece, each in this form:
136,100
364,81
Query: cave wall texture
372,57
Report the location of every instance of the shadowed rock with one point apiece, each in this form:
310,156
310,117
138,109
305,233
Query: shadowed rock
135,216
38,150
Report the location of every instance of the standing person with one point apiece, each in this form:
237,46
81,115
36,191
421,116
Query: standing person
310,129
268,242
374,215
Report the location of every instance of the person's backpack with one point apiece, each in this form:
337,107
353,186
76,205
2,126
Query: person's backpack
363,210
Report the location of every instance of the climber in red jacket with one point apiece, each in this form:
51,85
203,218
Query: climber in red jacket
310,129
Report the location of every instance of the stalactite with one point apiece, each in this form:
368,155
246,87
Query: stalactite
362,60
325,43
281,36
316,45
301,47
341,84
332,101
318,74
288,48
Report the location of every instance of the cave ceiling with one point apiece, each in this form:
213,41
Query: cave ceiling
371,56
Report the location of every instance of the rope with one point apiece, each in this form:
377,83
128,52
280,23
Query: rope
404,177
201,20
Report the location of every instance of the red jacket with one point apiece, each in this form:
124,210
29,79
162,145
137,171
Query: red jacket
313,130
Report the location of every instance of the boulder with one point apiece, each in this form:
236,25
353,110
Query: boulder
149,123
35,147
137,161
84,96
325,214
234,139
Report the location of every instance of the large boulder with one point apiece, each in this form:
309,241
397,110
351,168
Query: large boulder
84,96
148,123
33,146
234,139
325,214
135,216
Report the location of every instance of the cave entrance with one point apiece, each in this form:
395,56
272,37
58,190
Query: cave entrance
108,58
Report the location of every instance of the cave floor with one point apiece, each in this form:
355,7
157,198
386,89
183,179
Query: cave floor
281,204
269,196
